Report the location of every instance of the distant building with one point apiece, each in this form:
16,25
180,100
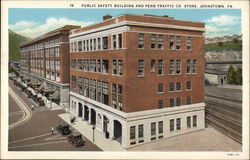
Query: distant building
223,39
215,77
45,59
138,78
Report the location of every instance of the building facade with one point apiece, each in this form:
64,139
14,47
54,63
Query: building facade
138,78
45,59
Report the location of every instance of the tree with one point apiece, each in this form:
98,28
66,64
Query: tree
220,44
235,40
231,75
238,76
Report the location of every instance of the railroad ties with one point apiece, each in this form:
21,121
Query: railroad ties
226,121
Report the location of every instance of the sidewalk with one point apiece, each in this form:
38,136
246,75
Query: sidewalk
87,131
239,87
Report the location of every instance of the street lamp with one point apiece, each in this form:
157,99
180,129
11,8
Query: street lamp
93,127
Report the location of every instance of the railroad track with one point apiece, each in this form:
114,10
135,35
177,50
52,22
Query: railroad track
226,121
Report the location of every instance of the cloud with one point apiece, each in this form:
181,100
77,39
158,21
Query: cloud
32,29
223,20
222,25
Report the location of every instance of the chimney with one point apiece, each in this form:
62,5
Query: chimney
106,17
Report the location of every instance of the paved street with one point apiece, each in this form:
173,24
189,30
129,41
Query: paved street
34,134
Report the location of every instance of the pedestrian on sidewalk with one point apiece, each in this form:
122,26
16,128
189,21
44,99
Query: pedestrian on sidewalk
32,107
52,131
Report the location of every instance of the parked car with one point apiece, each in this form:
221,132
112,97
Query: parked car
76,139
63,129
40,102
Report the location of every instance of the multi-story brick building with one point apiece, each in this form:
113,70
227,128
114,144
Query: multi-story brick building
139,78
45,59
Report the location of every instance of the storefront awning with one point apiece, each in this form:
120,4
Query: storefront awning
56,95
50,91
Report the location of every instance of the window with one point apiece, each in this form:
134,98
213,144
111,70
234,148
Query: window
105,66
153,129
120,67
80,64
188,85
152,65
91,44
75,46
153,40
114,41
98,66
160,67
87,45
171,67
105,42
160,87
194,66
189,43
140,131
160,41
94,44
178,86
94,64
171,87
79,45
189,122
120,97
140,40
188,66
119,40
171,124
178,124
178,66
105,93
73,64
132,132
114,69
99,43
194,121
178,42
140,67
160,103
114,95
189,101
160,127
171,42
171,102
84,45
178,101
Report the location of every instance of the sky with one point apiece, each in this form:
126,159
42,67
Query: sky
34,22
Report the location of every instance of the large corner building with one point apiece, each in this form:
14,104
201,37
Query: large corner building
138,78
45,59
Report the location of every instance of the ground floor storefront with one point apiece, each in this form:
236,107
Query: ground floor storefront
132,129
53,94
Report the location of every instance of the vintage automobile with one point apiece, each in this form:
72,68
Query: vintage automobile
76,139
40,101
63,129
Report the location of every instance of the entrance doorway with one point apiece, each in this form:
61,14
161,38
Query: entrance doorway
86,113
105,124
117,131
80,110
93,116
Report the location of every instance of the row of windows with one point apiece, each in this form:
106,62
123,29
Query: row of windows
97,90
174,102
96,44
97,65
174,66
52,52
53,76
156,41
174,125
174,87
53,64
